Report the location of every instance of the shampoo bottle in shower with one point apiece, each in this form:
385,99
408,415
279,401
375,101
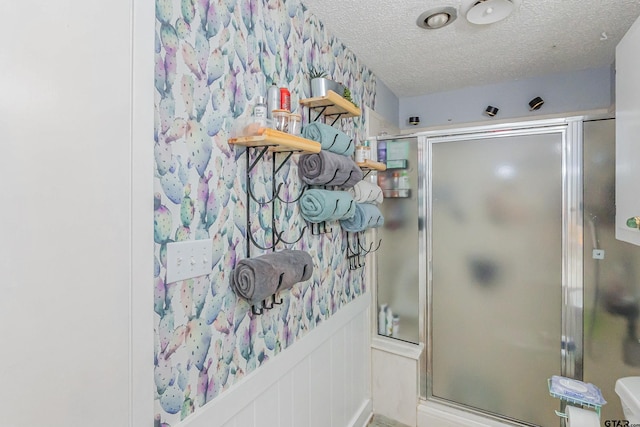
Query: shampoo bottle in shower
382,320
389,322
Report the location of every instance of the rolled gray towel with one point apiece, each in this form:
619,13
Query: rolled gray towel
366,192
326,168
256,279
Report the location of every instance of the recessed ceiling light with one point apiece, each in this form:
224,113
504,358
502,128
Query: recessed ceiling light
437,18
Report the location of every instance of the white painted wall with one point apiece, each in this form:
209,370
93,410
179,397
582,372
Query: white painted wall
563,93
323,380
76,106
387,104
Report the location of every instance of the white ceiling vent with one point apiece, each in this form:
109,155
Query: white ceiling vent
485,12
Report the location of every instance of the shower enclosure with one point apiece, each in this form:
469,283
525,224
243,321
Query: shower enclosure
506,273
500,220
399,257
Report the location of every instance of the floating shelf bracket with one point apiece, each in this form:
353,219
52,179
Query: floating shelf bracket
331,105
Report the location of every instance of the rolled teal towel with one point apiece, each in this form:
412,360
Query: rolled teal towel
325,205
330,138
366,216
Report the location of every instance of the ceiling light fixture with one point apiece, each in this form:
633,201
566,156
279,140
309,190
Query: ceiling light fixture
491,111
535,103
485,12
437,18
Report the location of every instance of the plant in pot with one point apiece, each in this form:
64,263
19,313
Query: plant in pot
346,94
321,84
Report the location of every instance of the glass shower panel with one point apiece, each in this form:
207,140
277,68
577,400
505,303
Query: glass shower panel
398,258
611,275
496,250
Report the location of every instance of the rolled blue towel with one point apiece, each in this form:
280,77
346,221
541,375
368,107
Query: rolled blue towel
325,168
366,216
256,279
325,205
330,138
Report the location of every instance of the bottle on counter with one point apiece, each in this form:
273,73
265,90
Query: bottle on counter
273,100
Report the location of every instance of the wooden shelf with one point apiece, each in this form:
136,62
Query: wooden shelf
277,141
370,164
332,104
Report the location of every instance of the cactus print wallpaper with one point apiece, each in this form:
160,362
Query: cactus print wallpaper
213,58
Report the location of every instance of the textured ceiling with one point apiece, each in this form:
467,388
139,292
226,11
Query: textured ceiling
539,37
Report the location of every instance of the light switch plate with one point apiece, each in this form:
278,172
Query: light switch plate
188,259
598,254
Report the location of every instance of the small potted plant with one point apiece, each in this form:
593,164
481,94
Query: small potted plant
346,94
321,84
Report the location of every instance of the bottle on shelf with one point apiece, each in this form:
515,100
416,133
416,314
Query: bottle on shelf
285,99
260,110
363,152
404,181
273,100
359,153
367,151
395,182
382,151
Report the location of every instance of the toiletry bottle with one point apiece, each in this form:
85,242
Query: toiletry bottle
273,100
389,322
396,326
382,151
285,99
404,181
382,320
260,109
395,183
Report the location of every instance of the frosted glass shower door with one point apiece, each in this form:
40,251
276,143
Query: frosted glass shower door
496,292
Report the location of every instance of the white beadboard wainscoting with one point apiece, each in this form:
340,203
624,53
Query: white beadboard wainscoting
323,380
